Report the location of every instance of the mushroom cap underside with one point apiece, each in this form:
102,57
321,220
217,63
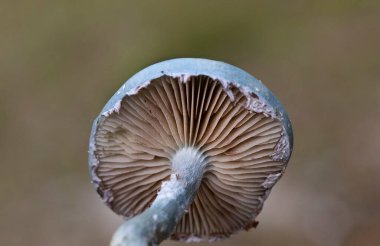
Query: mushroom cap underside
244,140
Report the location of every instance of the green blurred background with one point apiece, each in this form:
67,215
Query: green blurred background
60,61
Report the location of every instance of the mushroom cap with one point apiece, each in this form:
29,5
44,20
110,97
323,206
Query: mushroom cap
227,114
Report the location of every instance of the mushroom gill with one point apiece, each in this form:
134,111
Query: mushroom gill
135,144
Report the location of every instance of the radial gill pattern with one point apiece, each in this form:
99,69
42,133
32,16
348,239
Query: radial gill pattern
135,144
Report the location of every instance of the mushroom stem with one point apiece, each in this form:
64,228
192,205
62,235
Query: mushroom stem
158,222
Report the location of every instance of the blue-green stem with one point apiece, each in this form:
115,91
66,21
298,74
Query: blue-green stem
158,222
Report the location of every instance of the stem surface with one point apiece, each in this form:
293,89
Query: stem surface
158,222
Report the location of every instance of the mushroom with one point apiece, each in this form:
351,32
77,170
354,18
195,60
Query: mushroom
188,149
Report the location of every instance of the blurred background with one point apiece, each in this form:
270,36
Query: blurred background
60,61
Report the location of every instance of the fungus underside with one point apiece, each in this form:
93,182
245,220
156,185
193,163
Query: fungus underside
136,145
